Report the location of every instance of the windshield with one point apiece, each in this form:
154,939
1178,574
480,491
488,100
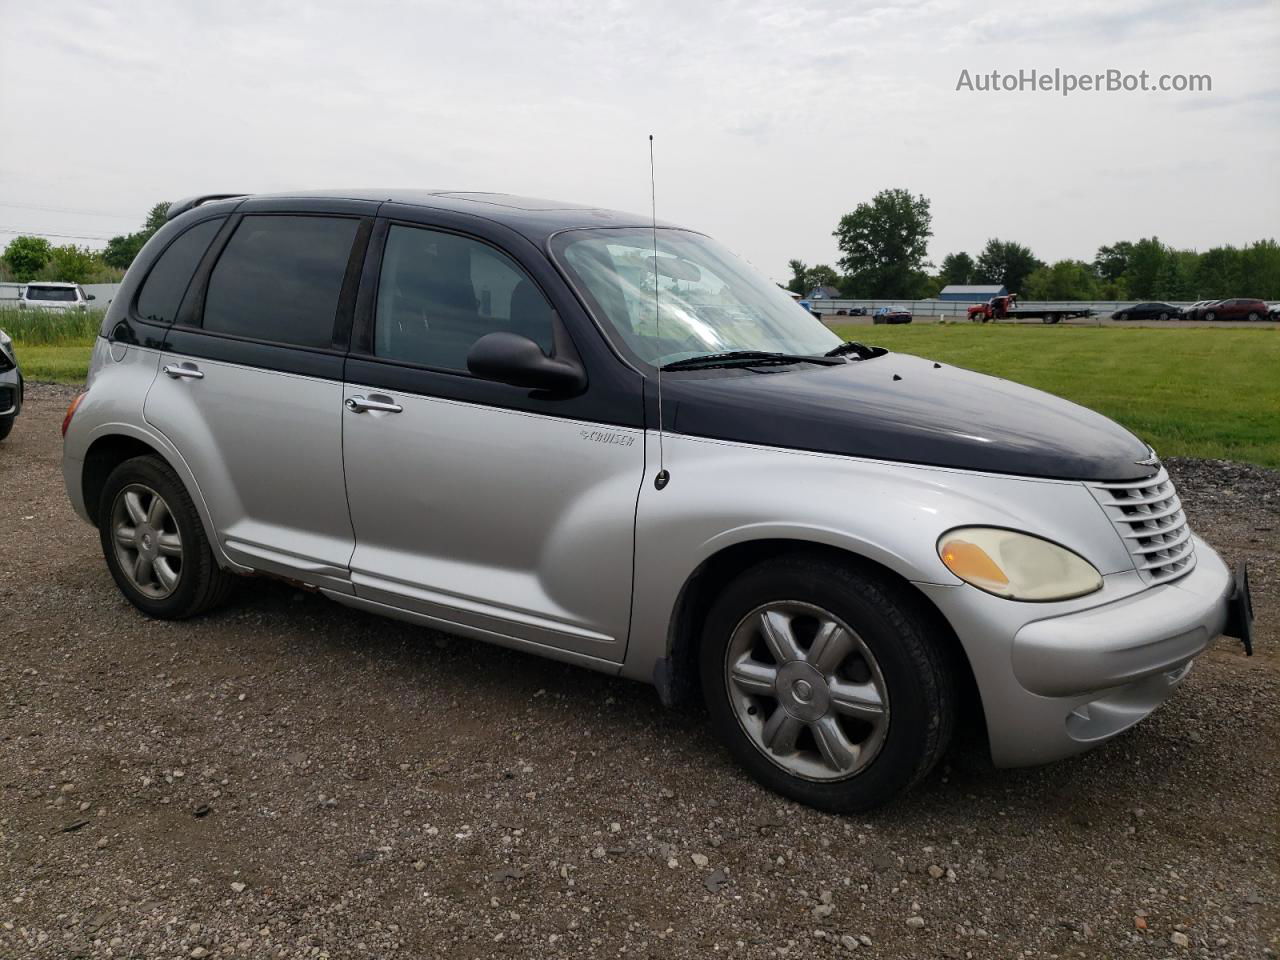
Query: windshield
709,301
51,293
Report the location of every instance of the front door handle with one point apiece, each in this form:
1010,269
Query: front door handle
184,371
381,404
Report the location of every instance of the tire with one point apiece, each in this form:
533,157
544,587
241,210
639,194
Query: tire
1253,317
181,578
892,661
6,424
1210,315
1164,316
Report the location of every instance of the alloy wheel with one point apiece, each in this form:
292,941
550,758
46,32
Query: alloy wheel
807,690
147,542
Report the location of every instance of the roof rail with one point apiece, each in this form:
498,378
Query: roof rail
190,203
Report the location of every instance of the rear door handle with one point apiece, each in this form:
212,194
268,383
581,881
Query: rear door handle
184,371
374,402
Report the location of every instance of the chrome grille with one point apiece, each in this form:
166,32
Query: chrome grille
1149,518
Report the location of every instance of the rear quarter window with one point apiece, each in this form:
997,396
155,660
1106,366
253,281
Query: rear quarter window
162,291
279,279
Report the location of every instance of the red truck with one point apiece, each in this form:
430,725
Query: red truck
1006,308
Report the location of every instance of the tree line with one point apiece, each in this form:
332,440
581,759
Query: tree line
29,258
883,246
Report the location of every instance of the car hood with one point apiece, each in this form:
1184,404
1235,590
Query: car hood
904,408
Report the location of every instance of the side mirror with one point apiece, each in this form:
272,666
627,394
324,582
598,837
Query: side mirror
518,361
91,296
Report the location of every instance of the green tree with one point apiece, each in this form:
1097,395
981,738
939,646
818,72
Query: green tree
957,268
799,273
1112,262
1065,280
121,250
1260,270
70,264
1006,262
25,256
884,243
805,278
1146,265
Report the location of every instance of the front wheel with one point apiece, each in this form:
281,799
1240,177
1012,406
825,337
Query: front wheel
1210,315
154,543
1253,318
825,683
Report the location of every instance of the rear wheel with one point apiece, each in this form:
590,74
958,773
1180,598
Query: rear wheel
155,544
825,684
1253,317
1210,315
1164,316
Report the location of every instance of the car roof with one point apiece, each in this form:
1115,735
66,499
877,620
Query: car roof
51,283
535,218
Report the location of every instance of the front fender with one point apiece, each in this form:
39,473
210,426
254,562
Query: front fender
723,494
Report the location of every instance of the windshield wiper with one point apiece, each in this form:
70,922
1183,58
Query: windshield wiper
860,350
731,358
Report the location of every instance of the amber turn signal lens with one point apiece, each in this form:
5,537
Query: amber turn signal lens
71,411
970,562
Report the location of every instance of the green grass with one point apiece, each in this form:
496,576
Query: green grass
50,327
1191,393
52,345
67,363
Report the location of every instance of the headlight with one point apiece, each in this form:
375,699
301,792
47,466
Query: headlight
1016,565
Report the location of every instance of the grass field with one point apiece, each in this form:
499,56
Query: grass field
1194,393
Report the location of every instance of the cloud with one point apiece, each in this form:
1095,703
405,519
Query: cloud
772,118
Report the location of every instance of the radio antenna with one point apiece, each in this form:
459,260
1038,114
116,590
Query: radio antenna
663,477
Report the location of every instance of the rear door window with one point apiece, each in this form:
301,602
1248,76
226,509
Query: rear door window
438,293
162,291
279,279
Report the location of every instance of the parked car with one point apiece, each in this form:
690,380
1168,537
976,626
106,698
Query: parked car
11,385
469,385
54,296
1275,311
1196,310
1241,308
1155,310
891,315
851,312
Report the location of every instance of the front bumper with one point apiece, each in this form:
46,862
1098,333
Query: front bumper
11,389
1060,684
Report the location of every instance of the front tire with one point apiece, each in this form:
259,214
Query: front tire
825,683
154,543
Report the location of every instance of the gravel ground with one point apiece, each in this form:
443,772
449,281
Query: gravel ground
288,778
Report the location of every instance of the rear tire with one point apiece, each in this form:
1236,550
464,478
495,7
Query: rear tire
154,543
841,738
1210,315
1253,318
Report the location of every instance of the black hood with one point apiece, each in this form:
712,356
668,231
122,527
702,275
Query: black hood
903,408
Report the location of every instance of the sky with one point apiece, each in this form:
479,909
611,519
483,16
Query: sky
771,119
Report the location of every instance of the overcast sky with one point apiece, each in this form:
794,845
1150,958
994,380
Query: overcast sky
771,118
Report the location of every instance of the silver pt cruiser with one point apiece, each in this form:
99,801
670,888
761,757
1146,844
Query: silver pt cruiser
577,433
